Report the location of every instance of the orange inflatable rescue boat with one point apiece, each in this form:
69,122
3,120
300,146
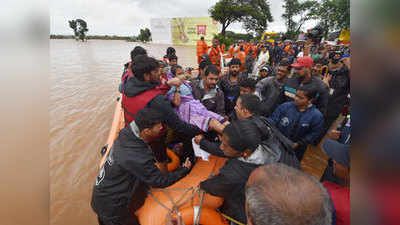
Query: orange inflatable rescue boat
183,197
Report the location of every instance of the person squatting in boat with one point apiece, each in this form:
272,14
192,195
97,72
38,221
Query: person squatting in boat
129,171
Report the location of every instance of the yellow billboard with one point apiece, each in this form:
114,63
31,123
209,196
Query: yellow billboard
344,36
187,31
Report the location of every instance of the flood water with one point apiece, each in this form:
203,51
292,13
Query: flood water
84,83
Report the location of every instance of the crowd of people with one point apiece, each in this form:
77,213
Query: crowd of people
274,100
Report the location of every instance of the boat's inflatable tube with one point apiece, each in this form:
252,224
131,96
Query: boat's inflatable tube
182,194
174,164
116,126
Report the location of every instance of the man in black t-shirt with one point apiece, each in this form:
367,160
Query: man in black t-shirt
303,78
229,84
338,82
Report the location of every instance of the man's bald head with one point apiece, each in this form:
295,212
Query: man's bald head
280,195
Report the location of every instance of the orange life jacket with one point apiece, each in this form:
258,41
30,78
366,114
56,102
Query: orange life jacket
286,50
201,48
246,49
215,56
255,49
242,57
222,47
231,51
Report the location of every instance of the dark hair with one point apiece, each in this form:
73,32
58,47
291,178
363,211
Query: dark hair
162,63
147,118
212,69
235,61
268,206
172,57
174,68
138,50
248,83
284,62
171,51
250,102
143,64
242,135
310,93
203,64
202,38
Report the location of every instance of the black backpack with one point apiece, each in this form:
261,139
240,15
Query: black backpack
273,138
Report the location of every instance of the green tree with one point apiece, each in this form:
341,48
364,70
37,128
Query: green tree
72,25
80,28
239,37
334,14
297,13
144,35
227,12
232,37
258,17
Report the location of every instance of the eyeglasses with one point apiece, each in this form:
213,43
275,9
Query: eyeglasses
298,68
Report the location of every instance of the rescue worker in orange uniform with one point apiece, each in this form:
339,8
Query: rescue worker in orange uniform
231,50
214,54
241,55
201,49
255,49
246,48
222,47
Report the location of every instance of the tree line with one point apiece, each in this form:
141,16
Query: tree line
333,15
144,36
93,37
255,15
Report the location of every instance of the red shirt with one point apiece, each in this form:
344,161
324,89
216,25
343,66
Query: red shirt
164,87
341,200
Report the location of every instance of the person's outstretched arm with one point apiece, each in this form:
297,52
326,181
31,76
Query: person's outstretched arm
164,106
210,147
142,166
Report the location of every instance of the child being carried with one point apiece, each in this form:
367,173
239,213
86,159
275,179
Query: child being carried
189,109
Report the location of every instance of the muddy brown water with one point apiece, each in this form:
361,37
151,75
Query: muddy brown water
84,81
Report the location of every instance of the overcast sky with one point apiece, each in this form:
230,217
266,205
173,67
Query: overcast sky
127,17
